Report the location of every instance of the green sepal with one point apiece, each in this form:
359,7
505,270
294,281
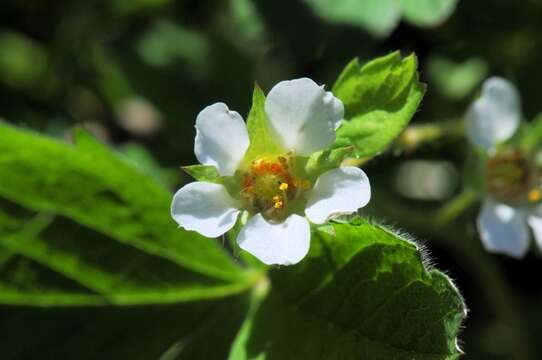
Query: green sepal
259,133
203,173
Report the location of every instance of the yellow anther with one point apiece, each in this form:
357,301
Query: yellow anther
277,202
534,195
283,186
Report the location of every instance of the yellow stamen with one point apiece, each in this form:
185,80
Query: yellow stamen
534,195
283,186
277,202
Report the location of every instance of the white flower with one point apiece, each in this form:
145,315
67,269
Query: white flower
512,202
278,195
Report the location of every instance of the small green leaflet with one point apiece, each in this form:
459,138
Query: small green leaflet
380,99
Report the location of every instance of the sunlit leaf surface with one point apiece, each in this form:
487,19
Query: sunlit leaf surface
363,293
380,98
107,228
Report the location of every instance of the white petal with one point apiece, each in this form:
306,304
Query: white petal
204,207
336,192
496,115
535,220
221,138
303,115
503,229
285,243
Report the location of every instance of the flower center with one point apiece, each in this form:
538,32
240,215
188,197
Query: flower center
270,186
513,179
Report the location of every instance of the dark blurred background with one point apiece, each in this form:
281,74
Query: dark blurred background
137,72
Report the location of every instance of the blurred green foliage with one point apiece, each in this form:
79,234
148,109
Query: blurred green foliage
382,16
453,80
166,43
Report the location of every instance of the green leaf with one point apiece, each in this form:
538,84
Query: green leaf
141,158
261,138
363,292
100,267
380,98
51,261
427,12
378,16
203,172
91,188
